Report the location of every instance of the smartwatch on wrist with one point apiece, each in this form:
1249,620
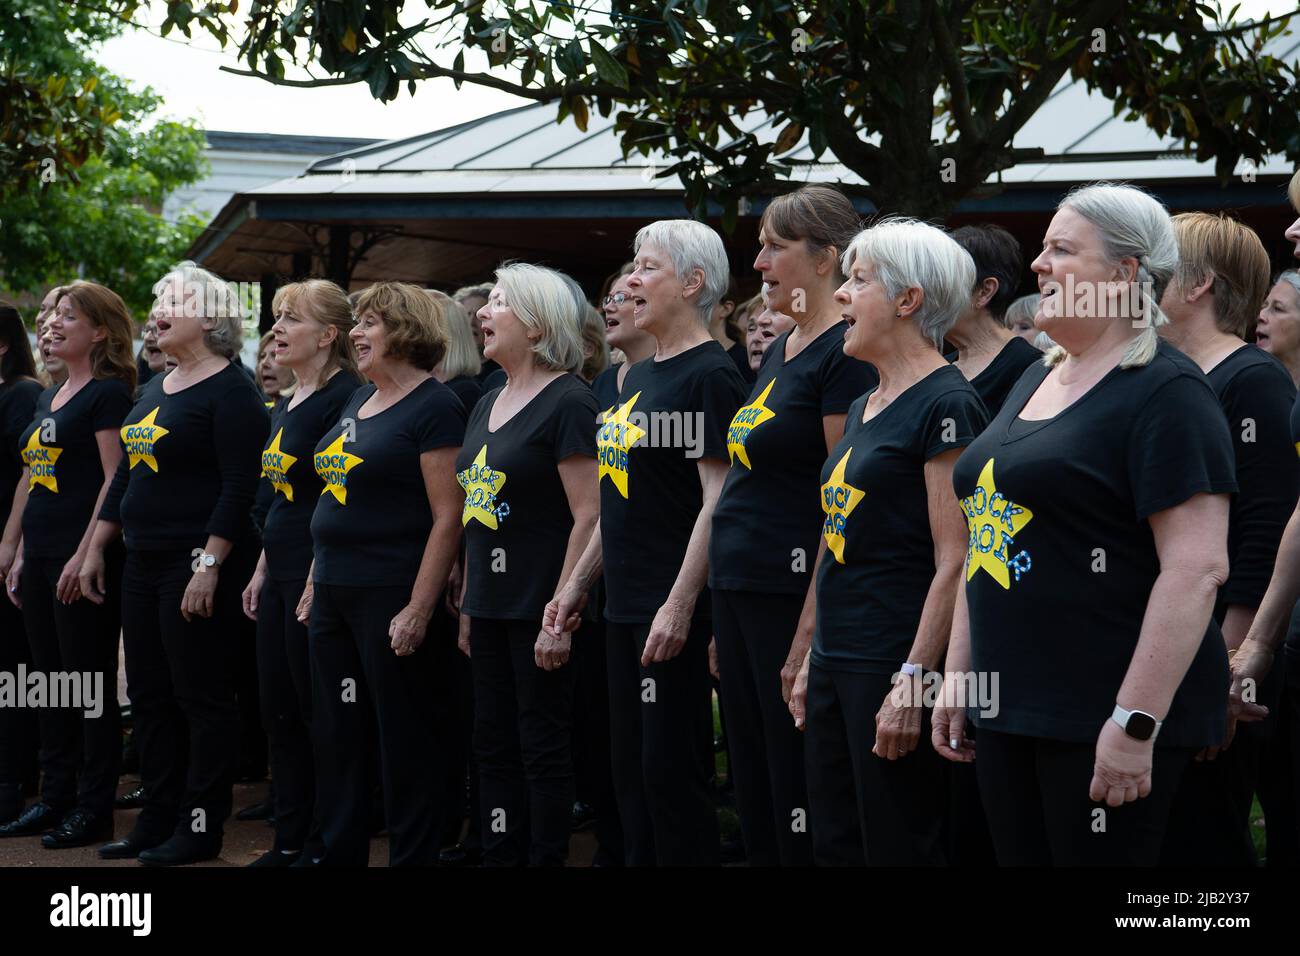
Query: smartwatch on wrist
1137,724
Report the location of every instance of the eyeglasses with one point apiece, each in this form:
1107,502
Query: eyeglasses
618,298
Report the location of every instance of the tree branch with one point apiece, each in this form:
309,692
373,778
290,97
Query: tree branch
956,76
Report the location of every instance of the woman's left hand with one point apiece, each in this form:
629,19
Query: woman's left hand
898,722
69,587
197,599
407,630
1122,771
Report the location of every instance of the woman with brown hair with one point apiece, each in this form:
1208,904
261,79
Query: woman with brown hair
764,547
386,532
310,341
70,451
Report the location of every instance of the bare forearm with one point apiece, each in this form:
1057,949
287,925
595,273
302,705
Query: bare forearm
803,634
694,572
588,566
1177,614
579,537
1274,612
439,555
1236,625
932,633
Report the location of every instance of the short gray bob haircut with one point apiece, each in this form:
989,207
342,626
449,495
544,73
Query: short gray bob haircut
213,300
910,254
691,245
543,300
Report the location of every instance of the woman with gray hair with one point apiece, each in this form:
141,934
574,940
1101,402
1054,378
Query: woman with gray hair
1097,503
531,502
181,499
895,539
1277,328
662,460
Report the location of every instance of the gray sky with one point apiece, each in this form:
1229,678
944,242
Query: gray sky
187,74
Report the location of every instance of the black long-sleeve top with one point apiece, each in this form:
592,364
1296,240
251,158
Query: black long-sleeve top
191,463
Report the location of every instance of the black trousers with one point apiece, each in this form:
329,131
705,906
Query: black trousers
1209,822
593,777
753,633
364,692
1036,798
284,680
80,755
660,727
866,810
523,723
1280,780
181,680
18,726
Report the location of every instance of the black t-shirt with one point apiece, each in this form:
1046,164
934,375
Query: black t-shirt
1062,560
17,406
372,518
1257,395
191,463
65,470
672,413
1003,372
873,582
493,380
468,390
765,526
289,474
486,370
517,519
740,355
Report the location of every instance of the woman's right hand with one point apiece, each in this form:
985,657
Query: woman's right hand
303,611
92,576
462,635
799,695
563,615
1249,666
253,593
13,583
948,732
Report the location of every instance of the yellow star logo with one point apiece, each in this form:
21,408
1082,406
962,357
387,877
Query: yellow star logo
614,439
333,465
40,461
839,498
994,522
747,419
276,465
140,438
482,484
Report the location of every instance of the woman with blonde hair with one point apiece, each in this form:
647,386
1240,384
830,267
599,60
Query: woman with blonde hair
528,470
310,341
181,499
71,452
1110,664
461,364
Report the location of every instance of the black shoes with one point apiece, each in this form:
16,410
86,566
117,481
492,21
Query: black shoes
584,816
258,811
79,828
129,848
181,850
130,801
274,857
37,818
